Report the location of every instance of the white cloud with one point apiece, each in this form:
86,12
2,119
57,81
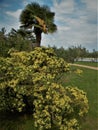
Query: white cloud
91,4
79,30
14,24
14,14
13,21
64,7
62,28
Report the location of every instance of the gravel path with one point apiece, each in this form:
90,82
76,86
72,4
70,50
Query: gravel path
85,66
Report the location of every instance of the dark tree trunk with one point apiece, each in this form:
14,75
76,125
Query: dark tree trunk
38,33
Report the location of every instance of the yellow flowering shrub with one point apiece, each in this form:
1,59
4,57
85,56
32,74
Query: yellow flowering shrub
78,71
22,71
28,83
80,102
59,108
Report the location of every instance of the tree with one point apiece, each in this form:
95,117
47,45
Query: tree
38,17
26,34
74,53
23,33
20,40
94,55
4,47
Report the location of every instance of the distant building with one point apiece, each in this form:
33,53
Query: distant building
88,59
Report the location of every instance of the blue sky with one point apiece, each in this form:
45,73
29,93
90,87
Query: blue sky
76,21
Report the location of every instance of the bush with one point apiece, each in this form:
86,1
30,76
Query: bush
28,83
59,108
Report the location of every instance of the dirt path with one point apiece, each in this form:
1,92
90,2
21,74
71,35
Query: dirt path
85,66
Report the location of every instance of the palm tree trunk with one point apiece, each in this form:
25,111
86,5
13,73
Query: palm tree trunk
38,33
38,40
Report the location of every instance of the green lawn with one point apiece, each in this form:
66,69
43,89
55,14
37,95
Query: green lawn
87,81
95,64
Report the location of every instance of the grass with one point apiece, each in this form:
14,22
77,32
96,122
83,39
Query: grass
9,121
87,81
94,64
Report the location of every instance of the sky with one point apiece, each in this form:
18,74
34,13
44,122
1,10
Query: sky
76,21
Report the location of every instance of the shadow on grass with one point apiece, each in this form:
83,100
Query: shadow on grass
16,121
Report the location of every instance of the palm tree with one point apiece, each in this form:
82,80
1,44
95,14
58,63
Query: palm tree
40,18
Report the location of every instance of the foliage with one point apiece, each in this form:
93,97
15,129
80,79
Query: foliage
39,17
94,54
28,83
20,40
23,70
3,45
59,108
33,11
74,53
